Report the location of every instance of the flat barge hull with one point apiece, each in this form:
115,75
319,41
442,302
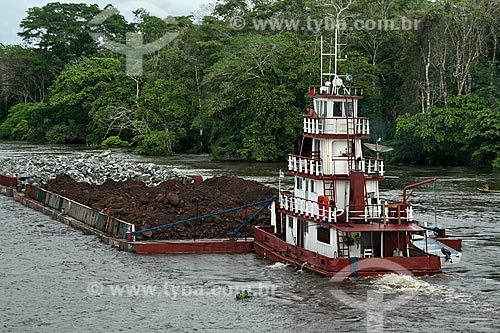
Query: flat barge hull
199,246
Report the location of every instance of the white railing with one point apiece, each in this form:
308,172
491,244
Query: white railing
311,166
342,166
363,126
397,213
314,91
306,208
314,125
372,213
351,126
373,166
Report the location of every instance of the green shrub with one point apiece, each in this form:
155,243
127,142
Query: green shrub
57,134
156,143
67,132
22,131
115,142
17,114
496,163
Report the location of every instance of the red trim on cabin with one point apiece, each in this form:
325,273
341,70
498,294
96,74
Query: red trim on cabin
346,97
337,136
357,193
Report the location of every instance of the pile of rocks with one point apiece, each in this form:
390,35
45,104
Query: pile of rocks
86,167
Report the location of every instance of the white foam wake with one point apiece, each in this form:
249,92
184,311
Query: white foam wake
407,283
277,265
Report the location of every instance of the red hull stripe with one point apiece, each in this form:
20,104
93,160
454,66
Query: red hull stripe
201,246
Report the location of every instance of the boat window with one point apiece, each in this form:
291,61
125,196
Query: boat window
320,107
316,145
290,221
298,186
337,109
349,108
312,186
323,235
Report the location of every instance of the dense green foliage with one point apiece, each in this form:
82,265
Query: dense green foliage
466,131
429,70
114,142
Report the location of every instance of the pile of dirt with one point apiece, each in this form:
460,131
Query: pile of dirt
171,201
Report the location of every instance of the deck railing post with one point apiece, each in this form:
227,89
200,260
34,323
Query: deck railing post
384,209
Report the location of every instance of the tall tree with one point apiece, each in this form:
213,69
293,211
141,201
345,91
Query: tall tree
64,29
25,74
246,121
89,91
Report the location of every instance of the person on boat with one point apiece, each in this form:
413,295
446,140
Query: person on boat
486,187
311,113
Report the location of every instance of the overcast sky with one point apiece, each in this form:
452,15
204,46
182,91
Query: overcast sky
13,11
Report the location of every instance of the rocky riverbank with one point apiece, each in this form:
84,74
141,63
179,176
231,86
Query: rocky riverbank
86,167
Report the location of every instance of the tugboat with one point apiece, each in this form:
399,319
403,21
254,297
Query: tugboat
335,223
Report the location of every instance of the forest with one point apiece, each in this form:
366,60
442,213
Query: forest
233,81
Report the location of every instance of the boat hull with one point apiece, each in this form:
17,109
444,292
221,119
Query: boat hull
268,245
435,245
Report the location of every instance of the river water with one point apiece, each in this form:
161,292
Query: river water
54,278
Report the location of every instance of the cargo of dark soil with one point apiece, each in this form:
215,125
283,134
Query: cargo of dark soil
171,201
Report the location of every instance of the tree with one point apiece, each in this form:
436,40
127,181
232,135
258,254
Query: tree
254,89
26,121
466,30
64,29
25,74
60,28
465,132
90,92
168,100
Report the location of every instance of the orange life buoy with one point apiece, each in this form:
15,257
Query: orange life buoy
323,204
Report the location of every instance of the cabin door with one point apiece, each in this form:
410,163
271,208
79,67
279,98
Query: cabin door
300,232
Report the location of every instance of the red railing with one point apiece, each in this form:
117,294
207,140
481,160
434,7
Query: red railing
408,187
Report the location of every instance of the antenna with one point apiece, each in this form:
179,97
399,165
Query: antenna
333,79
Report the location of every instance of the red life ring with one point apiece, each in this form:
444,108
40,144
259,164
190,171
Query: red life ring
323,204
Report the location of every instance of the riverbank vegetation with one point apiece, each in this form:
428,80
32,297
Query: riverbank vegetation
233,82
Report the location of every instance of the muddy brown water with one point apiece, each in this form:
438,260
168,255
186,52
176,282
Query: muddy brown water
54,278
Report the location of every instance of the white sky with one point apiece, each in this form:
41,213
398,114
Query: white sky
13,11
